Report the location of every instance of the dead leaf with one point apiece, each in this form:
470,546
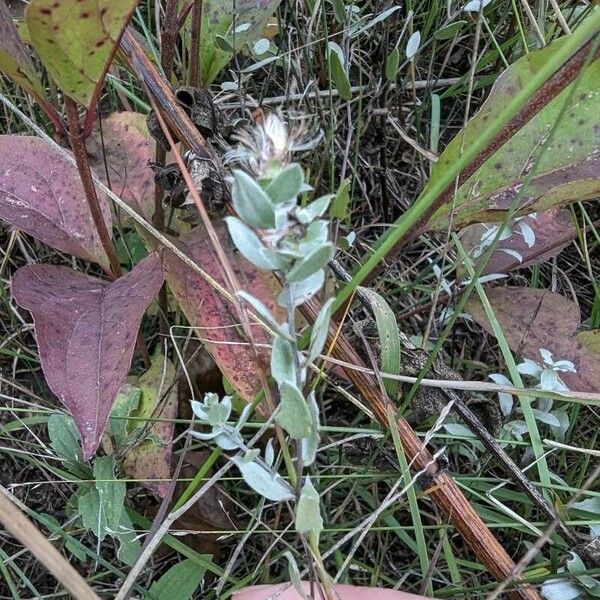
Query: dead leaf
553,231
120,156
213,513
532,319
150,461
213,316
41,194
86,330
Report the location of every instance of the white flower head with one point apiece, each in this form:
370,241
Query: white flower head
266,147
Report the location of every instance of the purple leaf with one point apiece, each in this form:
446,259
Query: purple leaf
86,330
41,194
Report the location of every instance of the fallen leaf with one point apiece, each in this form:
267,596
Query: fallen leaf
342,591
532,319
120,153
76,39
150,461
554,159
41,194
86,330
553,231
213,317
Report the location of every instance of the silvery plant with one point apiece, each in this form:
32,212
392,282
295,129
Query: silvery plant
276,233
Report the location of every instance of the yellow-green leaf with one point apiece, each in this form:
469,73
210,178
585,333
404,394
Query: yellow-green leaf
15,61
76,40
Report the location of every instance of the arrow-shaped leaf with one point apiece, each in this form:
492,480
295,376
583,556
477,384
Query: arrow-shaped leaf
86,330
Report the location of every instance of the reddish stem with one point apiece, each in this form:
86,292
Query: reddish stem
85,173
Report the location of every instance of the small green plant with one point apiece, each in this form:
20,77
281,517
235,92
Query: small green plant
276,232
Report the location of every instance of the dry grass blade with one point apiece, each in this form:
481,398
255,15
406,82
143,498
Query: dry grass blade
18,525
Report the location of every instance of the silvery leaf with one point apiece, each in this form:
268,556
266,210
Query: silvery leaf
528,367
314,210
263,482
219,413
282,361
269,453
200,410
544,417
310,444
312,263
318,335
308,510
228,440
287,185
316,235
249,244
412,46
293,414
261,310
304,290
251,202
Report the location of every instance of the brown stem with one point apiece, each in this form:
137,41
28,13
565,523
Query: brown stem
445,493
83,166
196,31
175,117
168,37
85,174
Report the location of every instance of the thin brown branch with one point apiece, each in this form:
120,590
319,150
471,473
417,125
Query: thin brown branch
83,166
445,493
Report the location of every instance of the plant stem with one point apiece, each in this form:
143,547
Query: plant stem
83,166
195,57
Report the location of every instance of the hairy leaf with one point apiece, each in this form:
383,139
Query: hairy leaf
532,319
150,461
86,330
119,154
41,194
308,511
15,60
75,40
214,317
552,160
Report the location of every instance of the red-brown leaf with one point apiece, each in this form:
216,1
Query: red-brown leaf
120,158
532,319
41,194
213,316
86,330
553,230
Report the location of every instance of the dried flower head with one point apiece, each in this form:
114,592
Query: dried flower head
266,148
